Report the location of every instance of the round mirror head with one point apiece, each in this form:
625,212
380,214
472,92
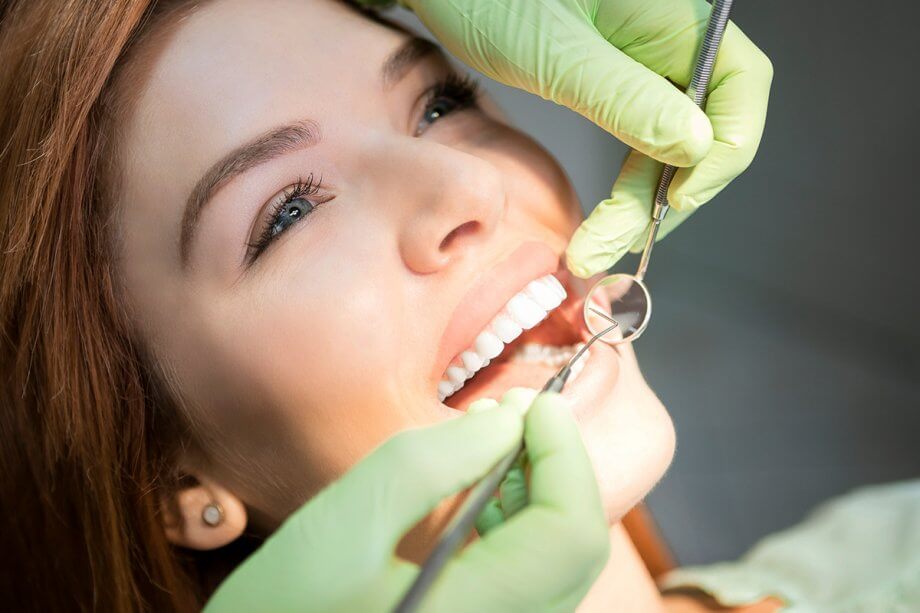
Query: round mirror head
626,300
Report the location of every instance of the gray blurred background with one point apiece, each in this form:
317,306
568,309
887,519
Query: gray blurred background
786,336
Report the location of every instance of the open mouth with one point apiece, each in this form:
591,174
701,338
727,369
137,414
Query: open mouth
528,340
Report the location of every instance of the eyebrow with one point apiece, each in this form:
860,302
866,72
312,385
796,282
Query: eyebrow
281,140
406,56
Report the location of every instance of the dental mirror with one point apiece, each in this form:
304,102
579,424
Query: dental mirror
626,297
626,300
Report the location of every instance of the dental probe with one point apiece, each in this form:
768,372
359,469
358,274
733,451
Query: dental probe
462,522
697,90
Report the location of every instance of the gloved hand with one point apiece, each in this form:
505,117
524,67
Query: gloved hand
337,552
611,60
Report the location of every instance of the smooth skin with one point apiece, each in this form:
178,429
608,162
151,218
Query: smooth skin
332,555
617,63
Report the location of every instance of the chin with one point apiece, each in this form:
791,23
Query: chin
631,445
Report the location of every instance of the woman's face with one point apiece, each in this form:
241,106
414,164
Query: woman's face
317,221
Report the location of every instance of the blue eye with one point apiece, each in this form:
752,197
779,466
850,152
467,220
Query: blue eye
288,213
453,93
293,206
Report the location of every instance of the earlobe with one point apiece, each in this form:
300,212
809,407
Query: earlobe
204,516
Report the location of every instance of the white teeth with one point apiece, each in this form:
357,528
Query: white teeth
547,354
506,329
445,389
457,375
471,361
543,295
554,284
488,345
525,311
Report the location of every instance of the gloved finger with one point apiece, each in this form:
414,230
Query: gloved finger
616,223
554,50
510,567
630,101
513,492
664,36
520,398
739,88
737,107
406,477
562,477
482,404
490,517
511,499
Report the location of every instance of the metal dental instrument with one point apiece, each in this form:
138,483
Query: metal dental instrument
460,525
627,296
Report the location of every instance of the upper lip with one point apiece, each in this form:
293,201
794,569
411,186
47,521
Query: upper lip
488,295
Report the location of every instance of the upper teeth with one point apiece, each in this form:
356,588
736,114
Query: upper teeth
525,310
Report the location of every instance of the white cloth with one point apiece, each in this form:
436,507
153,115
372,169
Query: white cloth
857,553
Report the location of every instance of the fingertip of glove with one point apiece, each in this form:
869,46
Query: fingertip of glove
577,268
519,398
552,405
684,202
586,256
483,404
692,140
502,420
555,399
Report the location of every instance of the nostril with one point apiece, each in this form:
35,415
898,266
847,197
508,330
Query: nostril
470,227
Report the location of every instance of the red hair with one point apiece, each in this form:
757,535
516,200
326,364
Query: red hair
88,443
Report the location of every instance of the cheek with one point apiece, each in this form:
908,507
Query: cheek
297,330
539,192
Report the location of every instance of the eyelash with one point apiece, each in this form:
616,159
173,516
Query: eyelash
460,90
299,191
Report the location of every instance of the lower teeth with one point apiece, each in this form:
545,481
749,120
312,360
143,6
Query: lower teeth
533,353
546,354
552,356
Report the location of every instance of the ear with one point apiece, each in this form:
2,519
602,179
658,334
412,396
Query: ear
203,515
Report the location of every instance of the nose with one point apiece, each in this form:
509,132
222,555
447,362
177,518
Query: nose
459,201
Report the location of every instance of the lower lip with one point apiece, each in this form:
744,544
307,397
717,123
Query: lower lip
598,378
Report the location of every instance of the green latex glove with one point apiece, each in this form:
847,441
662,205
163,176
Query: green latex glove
611,60
337,553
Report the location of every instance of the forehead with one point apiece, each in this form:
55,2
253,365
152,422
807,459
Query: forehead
232,60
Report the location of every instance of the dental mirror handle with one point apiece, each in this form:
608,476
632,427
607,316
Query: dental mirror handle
696,90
